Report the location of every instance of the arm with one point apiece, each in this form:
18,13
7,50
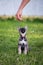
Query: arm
23,4
19,12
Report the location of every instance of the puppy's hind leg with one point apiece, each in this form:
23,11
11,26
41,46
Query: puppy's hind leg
25,50
19,49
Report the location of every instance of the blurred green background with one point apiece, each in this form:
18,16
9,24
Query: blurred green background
9,36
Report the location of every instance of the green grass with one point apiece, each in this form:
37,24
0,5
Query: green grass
9,36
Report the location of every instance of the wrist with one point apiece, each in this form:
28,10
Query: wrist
20,9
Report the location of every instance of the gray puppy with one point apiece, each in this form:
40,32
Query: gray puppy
22,45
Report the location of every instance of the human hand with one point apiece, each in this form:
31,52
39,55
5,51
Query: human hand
19,15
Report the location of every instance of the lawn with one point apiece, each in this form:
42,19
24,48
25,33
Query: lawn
9,36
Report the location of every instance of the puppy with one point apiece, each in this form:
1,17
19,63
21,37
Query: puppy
22,45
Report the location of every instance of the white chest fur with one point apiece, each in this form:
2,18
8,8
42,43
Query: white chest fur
23,41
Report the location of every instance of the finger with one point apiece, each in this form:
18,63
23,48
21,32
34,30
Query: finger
18,17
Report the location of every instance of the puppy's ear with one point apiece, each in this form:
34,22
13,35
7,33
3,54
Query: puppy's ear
26,27
18,28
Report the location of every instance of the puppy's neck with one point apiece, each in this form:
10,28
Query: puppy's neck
22,37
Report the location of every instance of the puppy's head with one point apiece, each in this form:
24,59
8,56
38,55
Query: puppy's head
22,31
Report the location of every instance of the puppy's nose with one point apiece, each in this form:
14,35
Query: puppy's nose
23,31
